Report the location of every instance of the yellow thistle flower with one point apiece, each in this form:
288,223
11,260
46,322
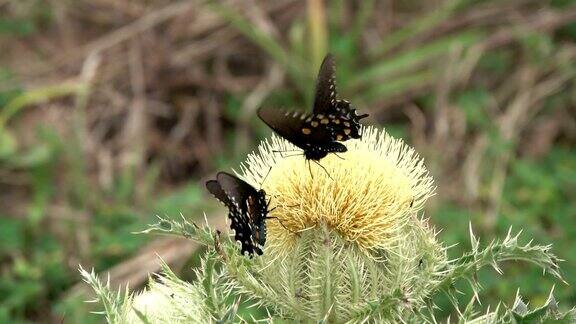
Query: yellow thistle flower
365,195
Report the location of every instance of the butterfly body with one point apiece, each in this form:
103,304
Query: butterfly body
318,152
258,207
247,210
332,120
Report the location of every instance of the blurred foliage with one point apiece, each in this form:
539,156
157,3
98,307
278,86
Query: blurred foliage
462,63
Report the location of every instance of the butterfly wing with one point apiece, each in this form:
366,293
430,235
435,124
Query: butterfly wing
344,123
325,95
214,188
237,189
301,130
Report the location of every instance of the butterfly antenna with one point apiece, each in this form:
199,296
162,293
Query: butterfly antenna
323,168
279,221
309,168
266,176
287,156
276,151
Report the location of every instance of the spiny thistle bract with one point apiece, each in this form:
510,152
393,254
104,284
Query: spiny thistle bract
346,244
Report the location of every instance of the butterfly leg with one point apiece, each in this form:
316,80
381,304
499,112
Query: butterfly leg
268,205
309,169
323,168
279,221
341,158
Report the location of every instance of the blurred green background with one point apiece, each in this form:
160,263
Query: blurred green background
112,112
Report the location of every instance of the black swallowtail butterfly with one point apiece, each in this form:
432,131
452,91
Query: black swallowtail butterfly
332,120
247,210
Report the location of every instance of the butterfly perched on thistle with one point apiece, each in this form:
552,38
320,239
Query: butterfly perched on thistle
332,120
247,210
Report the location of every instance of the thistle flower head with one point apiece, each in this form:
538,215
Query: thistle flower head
365,195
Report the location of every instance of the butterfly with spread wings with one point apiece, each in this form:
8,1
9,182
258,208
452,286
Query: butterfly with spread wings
247,210
332,120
